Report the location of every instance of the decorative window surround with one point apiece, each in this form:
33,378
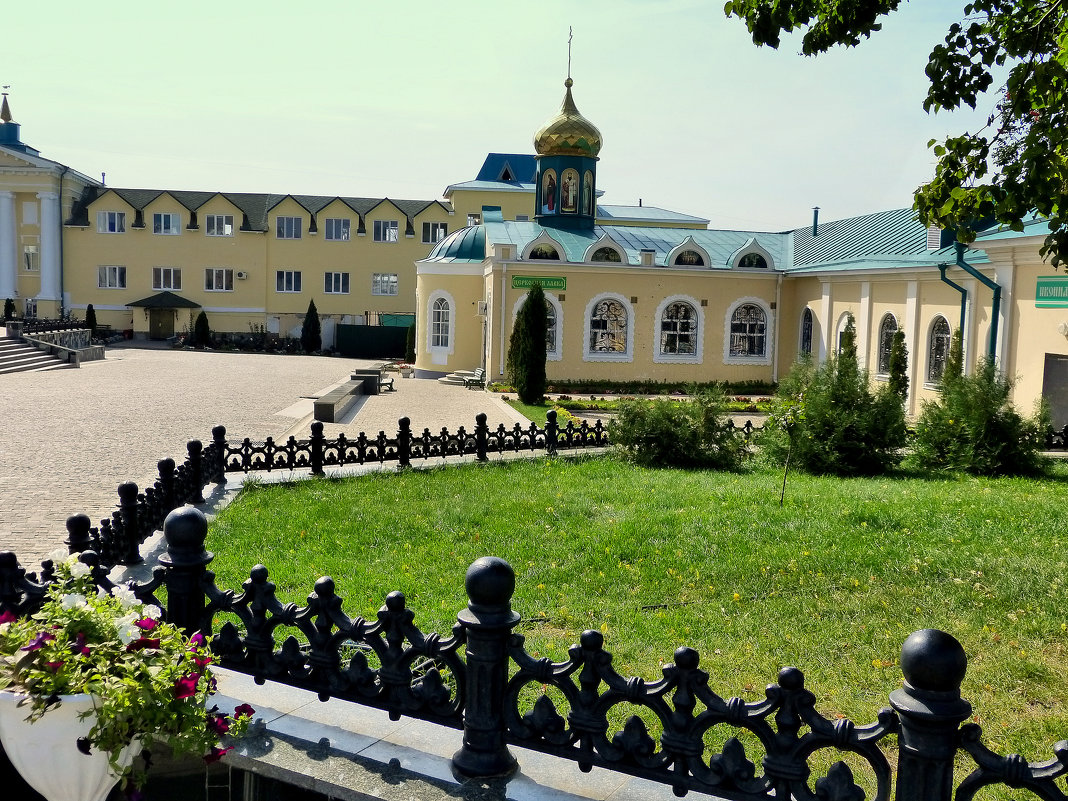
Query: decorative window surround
888,327
769,333
688,244
620,303
751,247
697,357
543,240
441,332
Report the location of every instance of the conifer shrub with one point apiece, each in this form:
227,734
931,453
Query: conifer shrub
409,345
670,433
837,424
9,309
525,364
201,331
974,428
311,334
90,319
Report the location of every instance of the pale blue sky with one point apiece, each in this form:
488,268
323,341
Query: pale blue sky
403,98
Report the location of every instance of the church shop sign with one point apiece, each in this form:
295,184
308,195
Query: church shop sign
555,283
1051,292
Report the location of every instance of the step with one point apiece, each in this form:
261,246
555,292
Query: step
10,360
452,380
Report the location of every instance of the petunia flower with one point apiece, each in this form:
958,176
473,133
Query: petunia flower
80,569
7,617
55,666
244,711
217,724
186,686
38,641
72,600
125,595
80,646
197,639
146,624
216,754
142,644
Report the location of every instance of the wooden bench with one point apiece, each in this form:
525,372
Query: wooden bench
478,379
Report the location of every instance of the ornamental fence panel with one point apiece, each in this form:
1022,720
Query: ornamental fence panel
474,679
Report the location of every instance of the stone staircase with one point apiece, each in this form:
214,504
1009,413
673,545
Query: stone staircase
16,357
457,378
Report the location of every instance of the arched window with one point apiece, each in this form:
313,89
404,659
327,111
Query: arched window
544,252
753,261
938,350
806,332
608,327
550,328
439,324
689,258
606,254
887,329
678,330
748,331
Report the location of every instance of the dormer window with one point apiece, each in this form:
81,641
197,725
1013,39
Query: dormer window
607,255
166,223
753,261
689,258
546,252
111,222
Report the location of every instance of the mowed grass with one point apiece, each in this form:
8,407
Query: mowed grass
832,582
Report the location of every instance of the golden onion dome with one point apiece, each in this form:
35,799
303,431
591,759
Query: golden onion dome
568,133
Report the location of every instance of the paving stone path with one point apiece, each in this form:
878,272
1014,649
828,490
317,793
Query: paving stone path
70,437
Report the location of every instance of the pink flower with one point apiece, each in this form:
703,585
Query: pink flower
197,640
218,724
186,686
7,617
38,641
244,711
55,666
80,646
141,644
146,624
216,754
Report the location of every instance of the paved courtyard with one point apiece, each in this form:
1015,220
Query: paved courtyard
70,437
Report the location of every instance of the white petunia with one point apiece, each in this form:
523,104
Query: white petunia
152,611
72,600
79,569
125,596
58,556
126,627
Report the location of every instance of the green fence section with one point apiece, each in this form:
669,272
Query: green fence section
371,341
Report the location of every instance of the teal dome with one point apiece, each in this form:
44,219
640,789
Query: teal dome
467,244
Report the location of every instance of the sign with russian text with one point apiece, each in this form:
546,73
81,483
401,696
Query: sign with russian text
1051,292
556,283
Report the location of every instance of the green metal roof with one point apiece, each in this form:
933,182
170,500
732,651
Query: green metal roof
465,245
165,300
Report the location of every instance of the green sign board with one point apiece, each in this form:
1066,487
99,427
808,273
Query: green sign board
1051,292
556,283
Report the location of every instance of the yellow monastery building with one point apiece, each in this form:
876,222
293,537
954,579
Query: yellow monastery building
634,292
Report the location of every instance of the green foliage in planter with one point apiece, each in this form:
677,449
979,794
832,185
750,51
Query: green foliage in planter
974,427
311,335
841,426
689,433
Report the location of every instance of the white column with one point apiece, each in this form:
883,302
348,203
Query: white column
916,370
864,332
50,234
827,343
8,250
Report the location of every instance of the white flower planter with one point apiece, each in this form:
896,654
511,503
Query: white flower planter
46,753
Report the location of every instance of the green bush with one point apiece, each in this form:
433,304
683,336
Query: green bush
409,345
689,433
90,319
974,428
829,421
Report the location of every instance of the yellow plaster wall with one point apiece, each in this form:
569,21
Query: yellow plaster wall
471,201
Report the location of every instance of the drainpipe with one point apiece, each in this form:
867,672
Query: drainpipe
963,293
995,309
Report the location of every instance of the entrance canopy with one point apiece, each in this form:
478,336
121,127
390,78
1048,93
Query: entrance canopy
165,300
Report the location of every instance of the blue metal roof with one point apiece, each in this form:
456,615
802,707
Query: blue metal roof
509,167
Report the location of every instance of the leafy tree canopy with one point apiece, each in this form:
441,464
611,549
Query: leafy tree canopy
1018,163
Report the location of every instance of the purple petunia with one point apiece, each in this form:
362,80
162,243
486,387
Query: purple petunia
244,711
186,686
216,754
38,641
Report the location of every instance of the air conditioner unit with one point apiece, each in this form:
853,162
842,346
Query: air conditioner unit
483,308
242,275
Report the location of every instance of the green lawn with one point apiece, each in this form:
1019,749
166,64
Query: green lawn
832,582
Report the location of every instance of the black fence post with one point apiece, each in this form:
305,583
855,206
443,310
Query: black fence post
218,467
129,547
404,442
488,622
166,484
196,471
317,441
185,562
78,538
481,438
552,431
931,710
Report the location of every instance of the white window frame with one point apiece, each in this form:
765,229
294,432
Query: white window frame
166,223
214,222
336,283
439,353
434,232
474,219
111,276
218,279
697,357
626,355
111,222
286,227
30,307
338,229
384,284
557,353
31,258
167,278
769,332
287,281
386,230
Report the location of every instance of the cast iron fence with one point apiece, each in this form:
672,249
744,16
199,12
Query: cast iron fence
474,679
